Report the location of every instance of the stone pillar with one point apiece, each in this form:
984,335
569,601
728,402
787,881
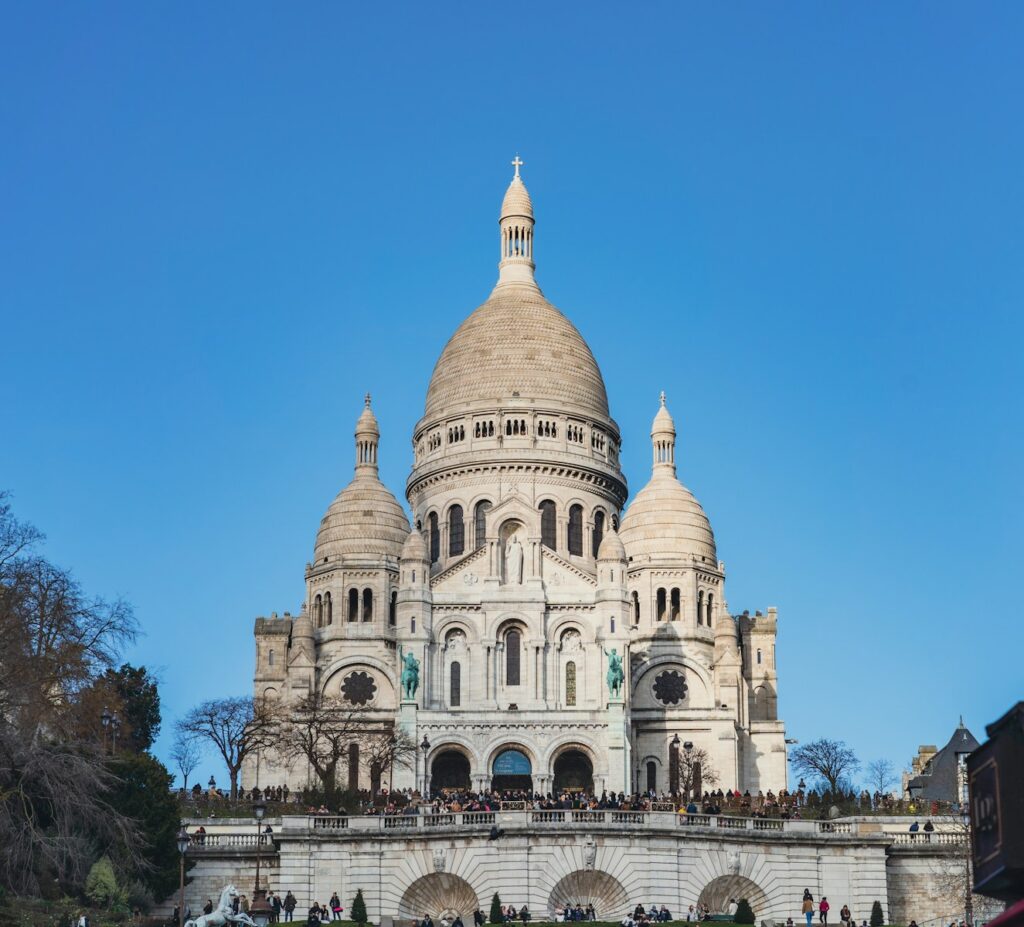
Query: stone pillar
407,777
618,746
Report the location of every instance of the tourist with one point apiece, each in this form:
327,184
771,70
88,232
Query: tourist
524,914
928,830
289,906
844,916
808,907
914,829
478,918
336,907
275,903
823,909
208,907
313,918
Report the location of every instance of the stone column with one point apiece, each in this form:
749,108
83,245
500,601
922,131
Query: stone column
404,776
618,746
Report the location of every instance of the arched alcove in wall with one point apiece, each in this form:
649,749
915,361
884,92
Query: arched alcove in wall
438,894
721,894
590,886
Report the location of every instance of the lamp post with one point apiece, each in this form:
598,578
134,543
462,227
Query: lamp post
425,746
184,841
965,817
111,722
260,910
688,750
673,765
392,745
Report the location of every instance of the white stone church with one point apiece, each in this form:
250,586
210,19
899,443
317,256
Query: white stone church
519,579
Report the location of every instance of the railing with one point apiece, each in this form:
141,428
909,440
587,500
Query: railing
561,819
920,838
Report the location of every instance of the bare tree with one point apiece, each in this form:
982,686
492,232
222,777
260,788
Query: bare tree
830,760
881,776
54,786
237,727
185,755
327,730
387,749
696,773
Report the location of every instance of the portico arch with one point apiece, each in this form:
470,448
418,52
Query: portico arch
439,894
511,770
590,886
720,893
572,768
449,769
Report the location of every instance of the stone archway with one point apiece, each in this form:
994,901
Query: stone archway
573,771
449,770
719,894
511,771
590,886
438,894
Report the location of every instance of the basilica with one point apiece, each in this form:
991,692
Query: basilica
557,640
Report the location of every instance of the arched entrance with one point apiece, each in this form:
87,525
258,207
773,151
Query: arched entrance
449,771
721,894
512,772
573,772
438,894
590,886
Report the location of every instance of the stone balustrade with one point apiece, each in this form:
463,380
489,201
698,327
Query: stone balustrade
524,819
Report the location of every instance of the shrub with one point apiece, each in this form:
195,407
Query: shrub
496,917
101,886
359,908
744,913
877,918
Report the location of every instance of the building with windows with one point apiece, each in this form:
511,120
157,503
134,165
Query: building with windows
520,580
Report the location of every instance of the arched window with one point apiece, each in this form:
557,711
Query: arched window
480,523
455,698
598,530
512,644
328,609
570,683
435,537
367,605
700,607
270,658
652,776
707,611
636,608
353,767
660,612
353,605
548,525
393,608
576,530
318,611
456,531
674,615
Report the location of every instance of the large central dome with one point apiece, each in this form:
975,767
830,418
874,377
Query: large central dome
517,344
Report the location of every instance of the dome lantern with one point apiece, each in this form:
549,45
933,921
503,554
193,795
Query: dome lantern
516,224
367,440
663,439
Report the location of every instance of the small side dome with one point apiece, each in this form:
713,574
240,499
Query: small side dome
414,548
302,627
365,520
611,547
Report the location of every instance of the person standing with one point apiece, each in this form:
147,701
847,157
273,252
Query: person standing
823,909
808,907
289,907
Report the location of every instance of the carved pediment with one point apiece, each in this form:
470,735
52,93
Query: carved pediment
464,576
560,574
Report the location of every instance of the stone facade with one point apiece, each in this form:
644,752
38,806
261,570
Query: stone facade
410,866
519,577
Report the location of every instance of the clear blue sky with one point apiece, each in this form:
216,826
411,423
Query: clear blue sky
221,224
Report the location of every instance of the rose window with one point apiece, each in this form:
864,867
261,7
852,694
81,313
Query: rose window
670,687
358,688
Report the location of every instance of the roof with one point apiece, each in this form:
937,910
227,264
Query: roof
940,780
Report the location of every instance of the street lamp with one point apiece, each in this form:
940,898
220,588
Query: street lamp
425,746
212,783
673,766
111,722
260,910
688,749
184,842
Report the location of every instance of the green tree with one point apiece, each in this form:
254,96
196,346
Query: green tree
744,913
496,915
140,705
142,793
359,908
101,886
877,918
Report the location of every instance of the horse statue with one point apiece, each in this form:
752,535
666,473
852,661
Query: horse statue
222,915
615,674
410,673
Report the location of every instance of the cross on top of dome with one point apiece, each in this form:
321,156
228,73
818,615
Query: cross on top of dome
517,163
